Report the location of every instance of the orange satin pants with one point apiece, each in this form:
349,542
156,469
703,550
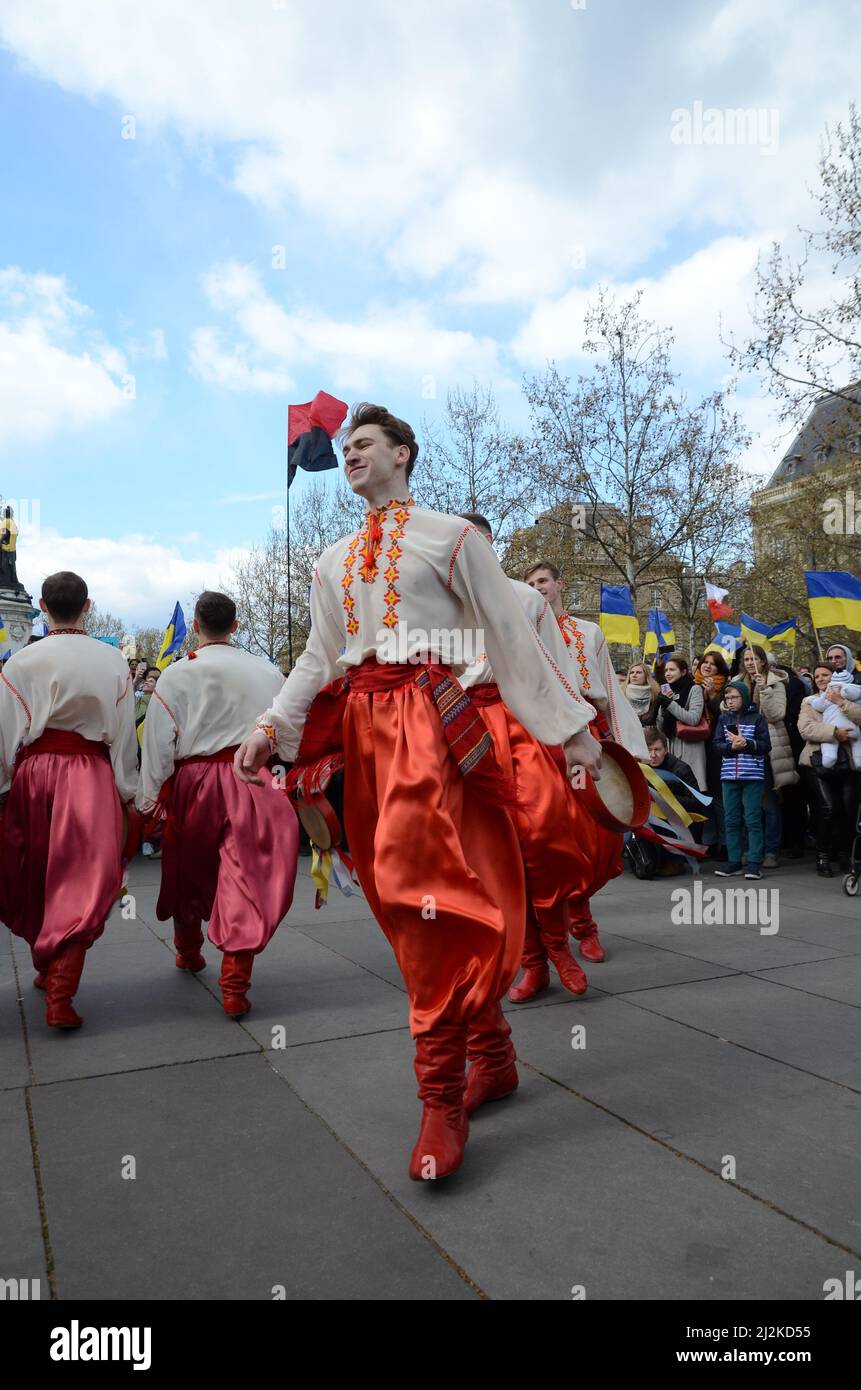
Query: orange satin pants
566,854
440,867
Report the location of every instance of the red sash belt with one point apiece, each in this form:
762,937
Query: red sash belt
224,755
485,694
466,733
163,811
63,741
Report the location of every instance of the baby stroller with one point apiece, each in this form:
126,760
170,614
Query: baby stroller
852,881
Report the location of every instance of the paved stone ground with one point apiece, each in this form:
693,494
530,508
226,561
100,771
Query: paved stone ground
259,1166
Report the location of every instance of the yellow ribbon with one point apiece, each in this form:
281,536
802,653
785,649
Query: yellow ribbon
663,793
321,869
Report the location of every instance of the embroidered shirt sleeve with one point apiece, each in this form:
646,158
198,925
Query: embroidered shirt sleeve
533,684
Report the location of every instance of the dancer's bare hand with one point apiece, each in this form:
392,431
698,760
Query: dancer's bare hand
250,756
584,751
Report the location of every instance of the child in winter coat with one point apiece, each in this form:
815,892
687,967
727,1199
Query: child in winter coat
741,740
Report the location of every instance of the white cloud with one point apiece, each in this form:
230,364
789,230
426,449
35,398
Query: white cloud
231,369
135,577
480,141
56,373
702,298
397,344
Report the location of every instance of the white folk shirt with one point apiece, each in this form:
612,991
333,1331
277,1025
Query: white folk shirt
543,620
433,574
587,648
203,703
75,683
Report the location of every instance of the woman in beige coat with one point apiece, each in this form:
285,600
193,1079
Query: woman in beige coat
768,692
832,792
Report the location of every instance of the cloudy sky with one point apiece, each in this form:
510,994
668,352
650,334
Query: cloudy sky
214,208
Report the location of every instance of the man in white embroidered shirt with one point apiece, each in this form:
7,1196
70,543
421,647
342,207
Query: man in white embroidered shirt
424,796
68,761
229,853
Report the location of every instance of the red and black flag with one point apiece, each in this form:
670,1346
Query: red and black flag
310,428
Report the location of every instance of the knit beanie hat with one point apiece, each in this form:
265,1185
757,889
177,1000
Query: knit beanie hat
742,690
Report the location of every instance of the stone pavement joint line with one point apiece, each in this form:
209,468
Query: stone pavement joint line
349,960
34,1146
743,1047
696,1162
387,1192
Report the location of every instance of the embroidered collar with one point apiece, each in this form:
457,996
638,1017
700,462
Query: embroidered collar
218,642
392,502
371,537
66,632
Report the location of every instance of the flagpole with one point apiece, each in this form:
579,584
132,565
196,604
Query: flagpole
289,589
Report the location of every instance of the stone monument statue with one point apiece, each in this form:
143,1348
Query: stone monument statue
16,605
9,581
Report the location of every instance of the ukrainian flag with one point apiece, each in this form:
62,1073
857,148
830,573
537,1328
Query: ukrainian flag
174,636
728,639
784,632
617,615
659,632
835,598
4,636
753,632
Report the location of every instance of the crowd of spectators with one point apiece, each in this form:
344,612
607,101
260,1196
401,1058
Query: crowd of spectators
778,751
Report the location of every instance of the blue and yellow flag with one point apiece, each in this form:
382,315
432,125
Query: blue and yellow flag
784,632
727,641
4,636
835,598
618,617
659,632
174,636
753,632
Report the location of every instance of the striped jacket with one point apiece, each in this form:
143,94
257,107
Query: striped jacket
749,765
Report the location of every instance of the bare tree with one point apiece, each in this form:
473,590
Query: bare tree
651,478
801,349
149,640
471,463
102,624
258,584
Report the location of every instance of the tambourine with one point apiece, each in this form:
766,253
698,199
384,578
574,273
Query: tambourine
620,800
319,802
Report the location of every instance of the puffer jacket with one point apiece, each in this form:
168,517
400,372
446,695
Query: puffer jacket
771,701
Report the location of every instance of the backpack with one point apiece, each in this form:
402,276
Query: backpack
640,857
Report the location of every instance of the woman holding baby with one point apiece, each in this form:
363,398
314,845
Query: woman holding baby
830,724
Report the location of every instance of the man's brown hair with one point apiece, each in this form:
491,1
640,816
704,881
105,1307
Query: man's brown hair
543,565
478,520
65,594
215,612
396,431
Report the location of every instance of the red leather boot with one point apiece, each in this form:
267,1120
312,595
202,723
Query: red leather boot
492,1072
235,981
584,929
554,935
62,979
440,1064
188,939
536,972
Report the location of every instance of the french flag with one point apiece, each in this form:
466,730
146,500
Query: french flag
715,598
